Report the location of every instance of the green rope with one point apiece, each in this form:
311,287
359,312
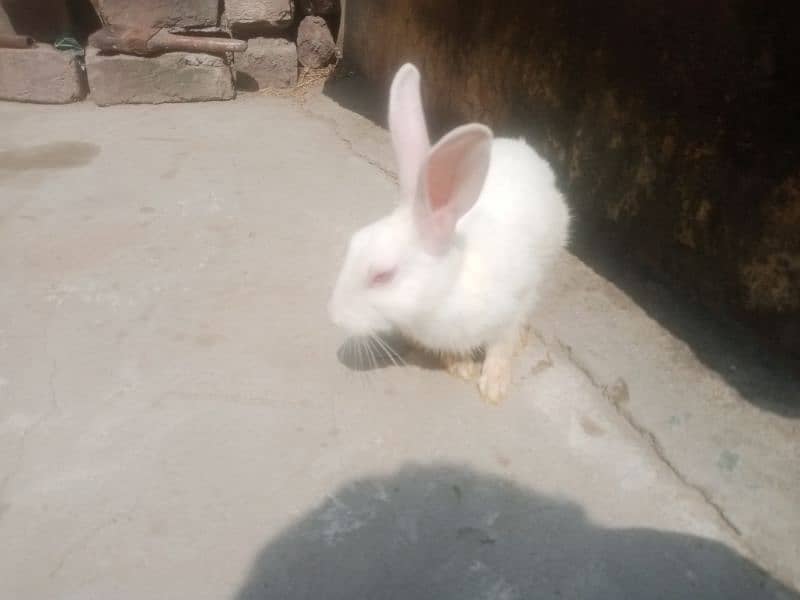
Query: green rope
67,43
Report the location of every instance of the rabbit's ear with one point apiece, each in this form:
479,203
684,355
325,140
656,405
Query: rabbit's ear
450,182
407,125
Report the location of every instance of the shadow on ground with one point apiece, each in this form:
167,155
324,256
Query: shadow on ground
762,375
448,533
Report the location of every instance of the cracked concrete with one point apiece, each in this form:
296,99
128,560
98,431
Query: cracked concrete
617,394
181,426
694,415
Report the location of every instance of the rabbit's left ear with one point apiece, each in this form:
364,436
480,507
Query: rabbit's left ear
450,181
408,128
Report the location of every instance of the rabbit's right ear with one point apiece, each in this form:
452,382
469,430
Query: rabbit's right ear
408,128
450,183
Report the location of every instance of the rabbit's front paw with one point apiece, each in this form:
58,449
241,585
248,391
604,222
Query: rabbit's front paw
495,380
464,367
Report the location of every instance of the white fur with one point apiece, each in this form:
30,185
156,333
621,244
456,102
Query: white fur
478,286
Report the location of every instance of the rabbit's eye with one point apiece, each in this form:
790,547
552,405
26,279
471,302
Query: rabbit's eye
381,277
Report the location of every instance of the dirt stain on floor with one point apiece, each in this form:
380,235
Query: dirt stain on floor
56,155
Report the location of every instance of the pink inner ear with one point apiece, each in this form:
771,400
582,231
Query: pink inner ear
441,178
452,180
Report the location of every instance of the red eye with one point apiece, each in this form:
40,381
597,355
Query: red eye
381,277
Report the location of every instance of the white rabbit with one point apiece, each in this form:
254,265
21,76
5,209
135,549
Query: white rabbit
456,267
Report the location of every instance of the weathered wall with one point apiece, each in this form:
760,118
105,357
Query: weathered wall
674,126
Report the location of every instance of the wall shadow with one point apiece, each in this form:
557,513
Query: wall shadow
449,533
755,367
762,373
355,93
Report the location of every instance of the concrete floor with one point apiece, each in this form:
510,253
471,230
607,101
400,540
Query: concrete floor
174,422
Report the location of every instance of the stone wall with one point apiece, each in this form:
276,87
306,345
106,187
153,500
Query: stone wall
38,73
281,35
274,29
674,126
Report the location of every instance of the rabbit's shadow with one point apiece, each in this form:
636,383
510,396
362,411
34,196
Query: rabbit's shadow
388,350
